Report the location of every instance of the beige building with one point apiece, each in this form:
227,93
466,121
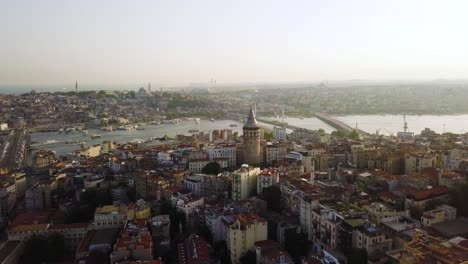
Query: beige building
371,239
275,152
379,212
244,182
110,216
415,162
252,136
243,233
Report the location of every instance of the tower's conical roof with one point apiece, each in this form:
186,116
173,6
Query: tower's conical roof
251,121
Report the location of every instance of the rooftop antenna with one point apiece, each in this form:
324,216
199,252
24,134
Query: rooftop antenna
405,124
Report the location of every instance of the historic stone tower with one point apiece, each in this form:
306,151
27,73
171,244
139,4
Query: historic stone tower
251,129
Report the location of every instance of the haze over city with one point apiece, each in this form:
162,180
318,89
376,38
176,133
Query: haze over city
233,132
176,43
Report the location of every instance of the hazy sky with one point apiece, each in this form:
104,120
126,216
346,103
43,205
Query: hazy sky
178,42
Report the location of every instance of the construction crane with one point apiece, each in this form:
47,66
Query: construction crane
405,124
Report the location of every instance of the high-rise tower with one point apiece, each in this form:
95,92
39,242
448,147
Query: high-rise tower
76,86
252,150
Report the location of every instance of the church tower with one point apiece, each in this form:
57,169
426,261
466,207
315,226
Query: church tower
251,129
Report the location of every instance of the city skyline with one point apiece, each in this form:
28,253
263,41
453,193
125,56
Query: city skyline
55,43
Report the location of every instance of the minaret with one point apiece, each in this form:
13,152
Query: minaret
252,150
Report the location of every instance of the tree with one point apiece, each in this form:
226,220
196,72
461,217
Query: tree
268,136
357,256
41,248
339,133
235,134
272,196
321,131
296,244
55,247
222,252
34,249
248,258
205,232
416,211
353,134
458,196
212,168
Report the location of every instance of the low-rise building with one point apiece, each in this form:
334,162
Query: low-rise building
134,242
424,248
372,239
194,249
110,216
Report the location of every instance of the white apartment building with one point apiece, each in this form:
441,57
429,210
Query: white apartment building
266,178
223,151
279,133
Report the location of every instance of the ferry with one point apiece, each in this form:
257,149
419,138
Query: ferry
95,136
50,141
126,127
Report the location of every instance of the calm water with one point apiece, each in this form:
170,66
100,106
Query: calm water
391,124
61,147
388,124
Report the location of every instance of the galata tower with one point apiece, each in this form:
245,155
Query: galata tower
251,129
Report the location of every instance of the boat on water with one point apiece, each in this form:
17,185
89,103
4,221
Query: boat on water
60,130
95,136
171,121
70,129
126,127
193,130
233,125
155,123
107,128
212,119
197,121
140,128
50,141
85,132
72,141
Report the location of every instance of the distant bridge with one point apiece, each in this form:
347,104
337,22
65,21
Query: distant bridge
337,124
